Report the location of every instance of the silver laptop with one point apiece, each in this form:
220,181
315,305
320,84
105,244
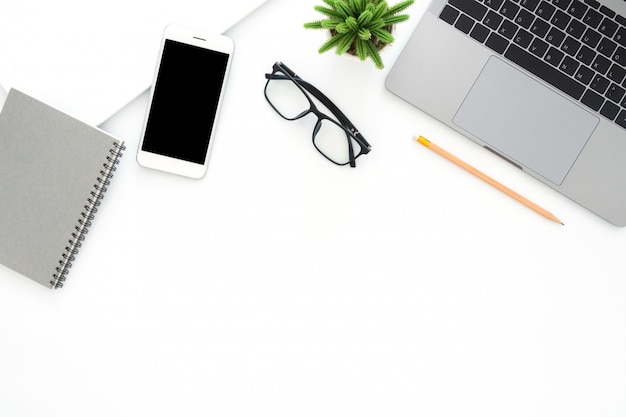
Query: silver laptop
542,83
90,60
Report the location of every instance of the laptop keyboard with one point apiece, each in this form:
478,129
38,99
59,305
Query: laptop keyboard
578,47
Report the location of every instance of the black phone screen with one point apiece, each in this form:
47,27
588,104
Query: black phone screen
184,103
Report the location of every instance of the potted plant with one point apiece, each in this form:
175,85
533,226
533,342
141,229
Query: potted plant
359,27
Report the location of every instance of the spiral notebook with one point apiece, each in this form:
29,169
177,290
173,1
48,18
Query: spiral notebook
54,170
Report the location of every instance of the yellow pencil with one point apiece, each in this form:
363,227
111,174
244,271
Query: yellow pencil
488,179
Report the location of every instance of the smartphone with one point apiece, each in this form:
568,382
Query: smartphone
185,100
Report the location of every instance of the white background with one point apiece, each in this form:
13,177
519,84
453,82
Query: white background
281,285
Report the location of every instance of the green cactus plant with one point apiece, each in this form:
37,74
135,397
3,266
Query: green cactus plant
359,27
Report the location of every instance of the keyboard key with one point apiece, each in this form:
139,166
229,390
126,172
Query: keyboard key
493,20
620,56
601,64
449,15
621,119
592,100
509,9
538,47
592,18
497,43
606,47
570,46
575,29
464,23
609,110
591,38
471,7
585,55
508,29
563,4
615,93
555,37
540,28
607,27
584,74
524,18
569,66
494,4
480,33
593,3
544,71
620,36
529,4
545,10
553,56
599,84
577,9
523,38
616,74
560,19
605,10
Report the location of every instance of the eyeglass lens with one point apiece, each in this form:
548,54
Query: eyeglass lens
333,142
288,100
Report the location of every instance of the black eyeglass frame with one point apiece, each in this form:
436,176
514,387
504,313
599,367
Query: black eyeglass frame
341,120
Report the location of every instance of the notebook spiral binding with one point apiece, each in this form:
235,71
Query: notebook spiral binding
86,216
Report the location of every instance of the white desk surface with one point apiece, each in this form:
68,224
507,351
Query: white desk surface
281,285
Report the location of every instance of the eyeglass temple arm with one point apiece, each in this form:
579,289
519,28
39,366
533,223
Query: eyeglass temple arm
328,103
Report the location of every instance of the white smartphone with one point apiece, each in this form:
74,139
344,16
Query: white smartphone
185,101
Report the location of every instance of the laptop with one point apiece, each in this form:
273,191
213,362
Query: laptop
541,83
91,59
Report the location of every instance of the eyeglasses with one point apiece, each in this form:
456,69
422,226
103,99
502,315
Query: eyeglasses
335,138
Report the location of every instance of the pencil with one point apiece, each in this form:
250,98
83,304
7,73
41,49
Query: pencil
488,179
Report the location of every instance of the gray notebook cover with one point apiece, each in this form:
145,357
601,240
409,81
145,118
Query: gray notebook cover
53,172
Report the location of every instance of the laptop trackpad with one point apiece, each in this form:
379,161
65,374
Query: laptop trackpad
525,121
